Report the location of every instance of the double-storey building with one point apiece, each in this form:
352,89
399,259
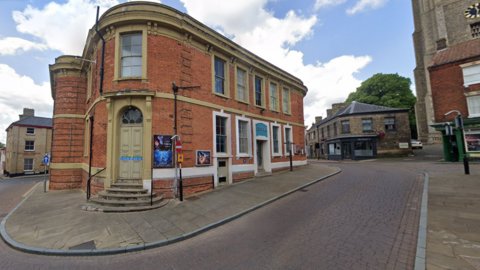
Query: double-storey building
232,110
360,131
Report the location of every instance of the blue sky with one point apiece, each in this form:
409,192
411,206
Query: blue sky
331,45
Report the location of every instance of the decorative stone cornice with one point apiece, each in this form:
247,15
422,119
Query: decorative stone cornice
152,28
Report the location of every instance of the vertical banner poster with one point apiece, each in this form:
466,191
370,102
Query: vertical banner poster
162,151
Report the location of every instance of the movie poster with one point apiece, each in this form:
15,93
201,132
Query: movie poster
162,151
298,149
203,158
473,141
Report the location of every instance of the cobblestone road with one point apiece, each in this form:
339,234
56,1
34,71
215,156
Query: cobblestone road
363,218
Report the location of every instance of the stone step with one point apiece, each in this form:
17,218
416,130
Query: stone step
263,174
127,185
104,208
126,197
131,181
123,203
127,190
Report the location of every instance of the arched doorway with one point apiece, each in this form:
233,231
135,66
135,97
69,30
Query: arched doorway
131,144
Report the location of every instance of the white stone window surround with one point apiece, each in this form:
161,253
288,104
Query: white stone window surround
471,73
267,158
229,135
33,165
249,134
472,97
29,150
279,154
288,128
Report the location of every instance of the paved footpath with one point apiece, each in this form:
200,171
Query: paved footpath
53,222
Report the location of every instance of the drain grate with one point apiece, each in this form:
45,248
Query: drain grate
86,245
303,190
193,198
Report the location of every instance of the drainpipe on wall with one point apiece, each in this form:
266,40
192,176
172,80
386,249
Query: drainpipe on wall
103,49
91,144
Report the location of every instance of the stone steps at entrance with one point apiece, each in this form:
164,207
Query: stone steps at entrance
124,196
119,203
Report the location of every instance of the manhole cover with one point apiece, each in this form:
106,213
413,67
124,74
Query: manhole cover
193,198
86,245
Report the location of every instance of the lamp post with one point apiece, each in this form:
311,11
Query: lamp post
459,126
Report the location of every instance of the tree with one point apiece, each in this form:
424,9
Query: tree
389,90
2,145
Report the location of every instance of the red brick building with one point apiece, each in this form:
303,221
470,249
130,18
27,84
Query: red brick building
233,126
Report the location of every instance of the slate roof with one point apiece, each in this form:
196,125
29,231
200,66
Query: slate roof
34,121
358,108
456,52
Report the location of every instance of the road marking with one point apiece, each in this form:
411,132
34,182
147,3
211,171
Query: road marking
30,190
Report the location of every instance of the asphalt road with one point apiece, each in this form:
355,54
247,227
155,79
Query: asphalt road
364,218
12,191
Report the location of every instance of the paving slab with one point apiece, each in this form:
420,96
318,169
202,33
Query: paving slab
54,221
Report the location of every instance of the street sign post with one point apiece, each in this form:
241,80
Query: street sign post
46,161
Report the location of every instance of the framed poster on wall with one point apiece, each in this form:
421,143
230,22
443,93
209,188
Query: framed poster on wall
204,158
162,151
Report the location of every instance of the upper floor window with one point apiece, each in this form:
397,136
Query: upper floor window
221,134
286,100
475,29
258,91
323,134
328,131
29,145
389,123
273,96
473,103
346,126
334,129
131,55
242,93
367,124
219,76
30,131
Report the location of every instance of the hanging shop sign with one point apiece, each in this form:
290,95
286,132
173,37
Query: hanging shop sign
162,151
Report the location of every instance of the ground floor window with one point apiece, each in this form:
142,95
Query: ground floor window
363,149
28,164
334,149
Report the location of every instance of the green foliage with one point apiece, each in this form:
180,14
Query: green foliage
2,145
389,90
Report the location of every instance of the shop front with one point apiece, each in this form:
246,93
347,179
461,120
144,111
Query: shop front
353,148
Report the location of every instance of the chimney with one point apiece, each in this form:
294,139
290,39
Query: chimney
27,113
329,112
318,119
336,107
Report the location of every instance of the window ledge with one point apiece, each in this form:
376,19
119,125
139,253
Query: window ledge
220,95
277,155
244,156
242,101
222,155
136,78
275,111
28,134
390,130
29,151
366,131
260,107
287,113
474,116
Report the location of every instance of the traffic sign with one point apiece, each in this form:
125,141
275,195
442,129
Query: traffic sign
45,159
180,158
178,147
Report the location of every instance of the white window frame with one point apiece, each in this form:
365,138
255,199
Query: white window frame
249,136
29,150
226,74
471,73
33,164
263,90
229,134
285,139
125,30
288,109
470,103
247,79
273,105
279,154
26,132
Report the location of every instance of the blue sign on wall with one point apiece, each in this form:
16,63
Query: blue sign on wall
261,129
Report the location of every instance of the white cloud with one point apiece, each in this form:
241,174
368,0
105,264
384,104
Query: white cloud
272,38
18,92
62,27
14,46
363,5
323,3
